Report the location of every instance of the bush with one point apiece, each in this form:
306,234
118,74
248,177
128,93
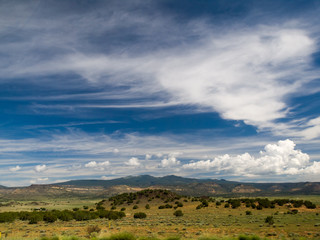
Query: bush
147,206
50,238
7,217
93,229
50,217
269,220
135,207
123,209
241,237
173,238
35,218
259,207
140,215
248,213
309,205
65,215
122,236
178,213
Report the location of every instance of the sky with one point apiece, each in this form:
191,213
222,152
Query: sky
220,89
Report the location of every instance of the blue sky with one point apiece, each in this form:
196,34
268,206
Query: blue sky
206,89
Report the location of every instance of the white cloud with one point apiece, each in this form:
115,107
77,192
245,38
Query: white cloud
105,178
91,164
159,155
40,168
245,74
42,179
116,150
16,168
98,166
277,159
148,156
169,162
133,162
241,75
312,130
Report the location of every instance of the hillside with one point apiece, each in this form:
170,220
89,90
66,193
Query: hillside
192,186
179,185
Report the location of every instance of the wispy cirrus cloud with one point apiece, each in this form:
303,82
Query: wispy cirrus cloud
14,169
243,74
105,57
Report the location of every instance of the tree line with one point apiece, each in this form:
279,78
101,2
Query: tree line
54,215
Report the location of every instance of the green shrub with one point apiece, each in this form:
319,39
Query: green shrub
140,215
173,238
50,217
93,229
244,237
178,213
35,218
122,236
65,215
135,207
148,238
207,238
7,217
147,206
309,205
269,220
248,213
50,238
199,207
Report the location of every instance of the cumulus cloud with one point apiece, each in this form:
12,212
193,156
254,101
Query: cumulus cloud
133,162
276,159
98,165
148,156
40,168
14,169
169,162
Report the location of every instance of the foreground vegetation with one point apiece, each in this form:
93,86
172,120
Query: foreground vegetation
161,214
129,236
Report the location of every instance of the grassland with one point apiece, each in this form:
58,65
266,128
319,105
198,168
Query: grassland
214,220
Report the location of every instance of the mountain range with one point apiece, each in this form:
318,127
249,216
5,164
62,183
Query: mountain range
180,185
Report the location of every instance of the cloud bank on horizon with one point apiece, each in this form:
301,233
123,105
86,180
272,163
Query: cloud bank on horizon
103,89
